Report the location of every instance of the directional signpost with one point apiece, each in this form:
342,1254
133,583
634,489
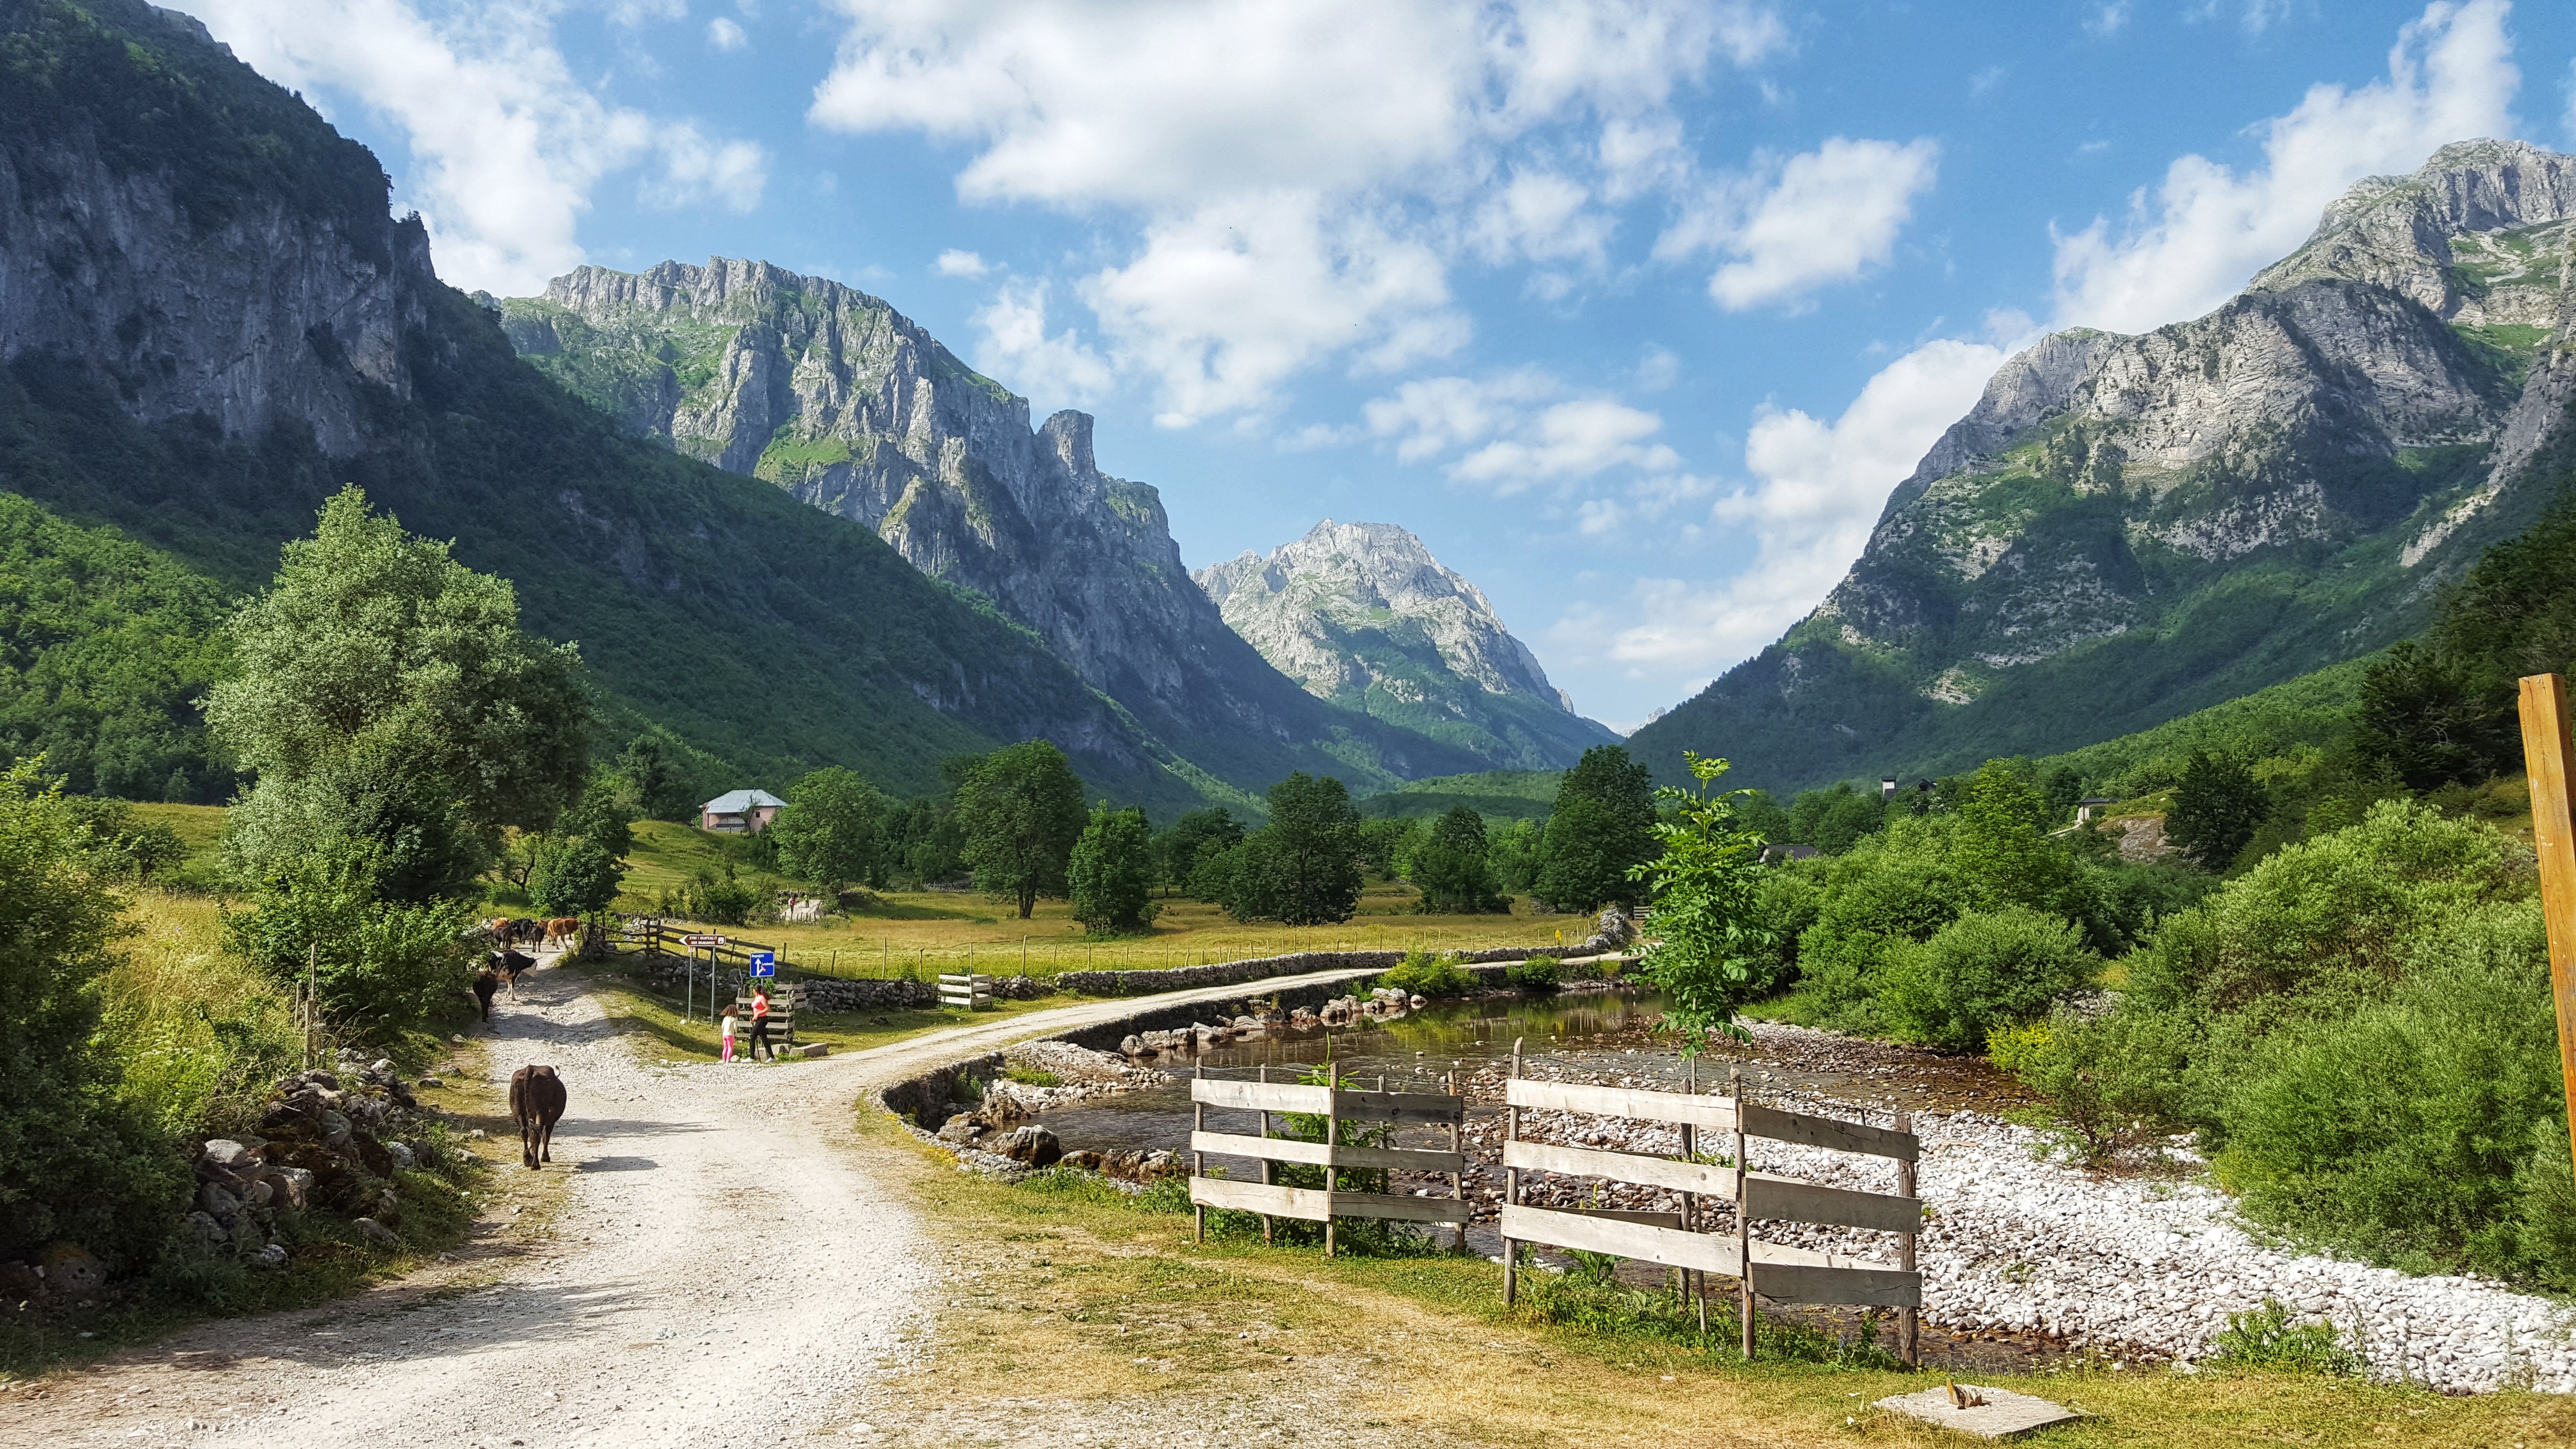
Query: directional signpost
688,997
764,963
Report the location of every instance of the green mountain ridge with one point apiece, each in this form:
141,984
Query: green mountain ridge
755,628
2128,529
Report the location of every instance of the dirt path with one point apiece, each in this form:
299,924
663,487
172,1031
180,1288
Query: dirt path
733,1265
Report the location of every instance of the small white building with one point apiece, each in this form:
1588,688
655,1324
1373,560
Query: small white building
743,812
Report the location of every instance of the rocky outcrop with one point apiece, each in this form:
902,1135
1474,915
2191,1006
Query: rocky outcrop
837,398
2125,529
1362,615
245,307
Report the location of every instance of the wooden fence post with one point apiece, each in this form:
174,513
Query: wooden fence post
1332,1138
2551,759
1908,1319
1198,1124
1511,1180
1743,1215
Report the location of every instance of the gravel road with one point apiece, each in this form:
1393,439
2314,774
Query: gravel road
732,1266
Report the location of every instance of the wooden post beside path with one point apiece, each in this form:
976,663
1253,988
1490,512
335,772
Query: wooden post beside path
2551,758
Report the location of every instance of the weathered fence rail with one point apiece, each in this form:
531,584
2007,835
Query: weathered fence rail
973,992
1768,1270
1336,1104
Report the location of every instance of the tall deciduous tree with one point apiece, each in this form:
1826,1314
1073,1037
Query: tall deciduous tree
1303,868
1022,810
2217,807
1601,828
1111,878
833,831
1713,949
376,672
1452,868
1177,851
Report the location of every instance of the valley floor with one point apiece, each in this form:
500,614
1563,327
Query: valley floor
738,1257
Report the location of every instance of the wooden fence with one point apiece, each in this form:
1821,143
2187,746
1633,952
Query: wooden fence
972,993
1771,1270
1335,1104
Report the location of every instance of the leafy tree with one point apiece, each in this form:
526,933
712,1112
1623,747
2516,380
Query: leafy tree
1712,948
1833,820
1303,868
603,814
2003,843
1022,811
1452,867
1980,973
384,965
74,1163
573,876
2217,807
379,794
120,846
373,640
1385,841
1513,852
2424,718
1215,877
833,830
1601,828
1111,878
1177,850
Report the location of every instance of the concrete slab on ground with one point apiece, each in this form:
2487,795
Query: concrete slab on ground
2003,1412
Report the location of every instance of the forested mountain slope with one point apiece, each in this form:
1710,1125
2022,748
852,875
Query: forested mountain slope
209,322
833,396
2127,529
1362,615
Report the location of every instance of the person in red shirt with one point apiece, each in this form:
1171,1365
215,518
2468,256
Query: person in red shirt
760,1024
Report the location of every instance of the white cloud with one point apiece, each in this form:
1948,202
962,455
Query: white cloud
1825,216
2450,77
1016,349
1223,305
1819,488
1431,416
1290,169
1566,441
506,146
724,33
695,169
1520,429
1658,368
2108,19
2570,123
954,263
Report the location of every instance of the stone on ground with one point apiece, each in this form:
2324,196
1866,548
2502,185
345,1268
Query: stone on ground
2003,1412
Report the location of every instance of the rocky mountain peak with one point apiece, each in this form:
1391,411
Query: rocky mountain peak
1363,615
2475,235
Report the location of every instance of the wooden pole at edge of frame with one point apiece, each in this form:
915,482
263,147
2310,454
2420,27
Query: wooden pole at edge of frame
2550,757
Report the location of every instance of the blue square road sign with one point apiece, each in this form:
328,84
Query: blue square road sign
764,963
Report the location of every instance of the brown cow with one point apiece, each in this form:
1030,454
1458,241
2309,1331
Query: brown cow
536,1103
486,981
562,929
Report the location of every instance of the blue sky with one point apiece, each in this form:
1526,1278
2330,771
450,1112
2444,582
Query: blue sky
1634,311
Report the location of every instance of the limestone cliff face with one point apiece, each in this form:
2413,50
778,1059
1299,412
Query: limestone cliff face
834,396
247,308
1361,614
2126,528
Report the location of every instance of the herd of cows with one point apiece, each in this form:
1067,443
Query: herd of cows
537,1095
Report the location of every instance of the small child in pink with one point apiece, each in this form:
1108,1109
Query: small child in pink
728,1033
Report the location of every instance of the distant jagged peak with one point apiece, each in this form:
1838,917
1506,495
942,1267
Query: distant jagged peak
1343,578
2477,234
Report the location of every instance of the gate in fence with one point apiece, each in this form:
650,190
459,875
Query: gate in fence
1335,1104
1771,1270
972,992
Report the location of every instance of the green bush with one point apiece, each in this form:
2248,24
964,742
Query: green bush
75,1162
382,966
1978,973
1424,974
725,900
1538,973
2265,1338
2110,1082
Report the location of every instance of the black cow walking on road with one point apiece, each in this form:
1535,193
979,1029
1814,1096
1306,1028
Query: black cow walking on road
536,1103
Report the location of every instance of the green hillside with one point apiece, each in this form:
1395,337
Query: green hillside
754,628
1497,794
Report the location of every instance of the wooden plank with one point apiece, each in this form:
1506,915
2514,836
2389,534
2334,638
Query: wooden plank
1798,1127
1807,1202
1634,1167
1399,1106
1399,1209
1318,1154
1716,1113
1303,1203
1624,1215
2550,757
1313,1205
1802,1275
1262,1096
1671,1247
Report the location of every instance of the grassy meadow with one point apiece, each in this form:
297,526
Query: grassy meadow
932,931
